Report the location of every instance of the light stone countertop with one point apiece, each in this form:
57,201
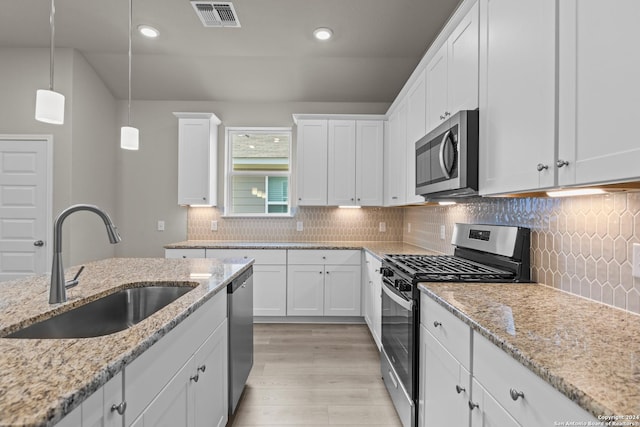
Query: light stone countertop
588,351
378,249
41,380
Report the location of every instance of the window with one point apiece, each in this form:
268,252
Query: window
258,171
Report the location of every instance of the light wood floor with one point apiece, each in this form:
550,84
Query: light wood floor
315,376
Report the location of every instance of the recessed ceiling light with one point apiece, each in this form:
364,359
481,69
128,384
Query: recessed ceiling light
322,33
148,31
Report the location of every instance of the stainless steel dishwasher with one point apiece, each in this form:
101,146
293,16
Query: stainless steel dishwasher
240,306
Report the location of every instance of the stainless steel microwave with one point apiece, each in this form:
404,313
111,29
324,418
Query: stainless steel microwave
447,158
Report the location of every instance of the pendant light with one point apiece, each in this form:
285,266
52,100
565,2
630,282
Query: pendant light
129,136
50,104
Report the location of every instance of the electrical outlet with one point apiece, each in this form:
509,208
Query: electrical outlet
214,225
299,226
160,225
382,227
408,227
636,260
443,232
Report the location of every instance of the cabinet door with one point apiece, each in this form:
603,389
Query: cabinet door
462,64
342,290
395,158
416,129
312,162
341,176
197,150
599,91
305,290
174,404
269,290
211,391
517,95
488,412
436,74
96,410
369,162
446,385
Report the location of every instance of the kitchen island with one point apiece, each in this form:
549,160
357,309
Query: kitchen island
42,380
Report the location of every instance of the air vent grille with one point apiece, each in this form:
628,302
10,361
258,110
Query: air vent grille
216,14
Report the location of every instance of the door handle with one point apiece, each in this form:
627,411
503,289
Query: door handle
38,243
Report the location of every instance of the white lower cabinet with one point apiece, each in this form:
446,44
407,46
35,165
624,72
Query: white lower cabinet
323,283
197,395
97,410
372,288
185,253
446,385
269,278
488,412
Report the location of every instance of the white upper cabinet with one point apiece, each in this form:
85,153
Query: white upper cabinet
369,162
452,74
197,158
395,158
599,91
312,162
517,96
416,129
340,161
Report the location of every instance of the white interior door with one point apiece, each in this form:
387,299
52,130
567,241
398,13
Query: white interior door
25,205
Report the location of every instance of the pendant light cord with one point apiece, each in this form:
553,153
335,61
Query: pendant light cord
129,102
52,44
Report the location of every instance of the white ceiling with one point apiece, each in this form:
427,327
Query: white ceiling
272,57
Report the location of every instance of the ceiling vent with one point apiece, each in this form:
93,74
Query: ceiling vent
216,13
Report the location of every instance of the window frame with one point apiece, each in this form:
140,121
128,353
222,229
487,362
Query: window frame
229,173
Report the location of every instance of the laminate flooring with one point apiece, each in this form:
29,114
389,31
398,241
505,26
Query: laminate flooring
315,375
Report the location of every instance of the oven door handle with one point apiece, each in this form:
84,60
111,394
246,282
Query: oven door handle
406,304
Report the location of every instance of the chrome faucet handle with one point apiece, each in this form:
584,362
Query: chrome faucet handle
74,282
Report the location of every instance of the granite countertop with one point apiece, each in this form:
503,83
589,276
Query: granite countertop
41,380
588,351
378,249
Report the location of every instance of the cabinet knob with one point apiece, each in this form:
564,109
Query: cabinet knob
473,405
202,368
327,272
38,243
204,198
394,197
561,163
441,117
446,113
460,389
358,198
119,408
542,167
436,324
515,394
195,378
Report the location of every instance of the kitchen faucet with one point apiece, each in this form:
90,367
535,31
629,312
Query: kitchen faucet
58,292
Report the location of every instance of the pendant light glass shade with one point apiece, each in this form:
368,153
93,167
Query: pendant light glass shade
50,104
49,107
129,138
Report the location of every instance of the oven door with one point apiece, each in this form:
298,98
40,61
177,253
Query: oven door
398,351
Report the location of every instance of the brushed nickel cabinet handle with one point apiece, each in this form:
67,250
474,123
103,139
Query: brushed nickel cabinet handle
119,408
473,405
542,167
38,243
436,324
515,394
561,163
460,389
195,378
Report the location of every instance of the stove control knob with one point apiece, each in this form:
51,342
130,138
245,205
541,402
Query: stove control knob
386,272
403,286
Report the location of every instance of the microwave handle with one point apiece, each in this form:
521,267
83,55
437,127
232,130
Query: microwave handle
445,140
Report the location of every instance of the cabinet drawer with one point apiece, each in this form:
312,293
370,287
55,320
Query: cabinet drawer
541,404
151,371
262,256
315,256
184,253
453,333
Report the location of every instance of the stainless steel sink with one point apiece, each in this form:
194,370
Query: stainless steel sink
109,314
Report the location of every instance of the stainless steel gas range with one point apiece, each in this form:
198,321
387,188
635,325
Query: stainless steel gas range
483,253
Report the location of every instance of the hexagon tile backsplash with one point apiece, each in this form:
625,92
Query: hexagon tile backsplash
582,245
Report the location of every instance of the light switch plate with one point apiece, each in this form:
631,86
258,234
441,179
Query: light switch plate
636,260
443,232
408,227
160,225
214,225
382,227
299,226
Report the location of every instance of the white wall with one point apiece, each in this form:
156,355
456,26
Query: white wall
148,178
82,146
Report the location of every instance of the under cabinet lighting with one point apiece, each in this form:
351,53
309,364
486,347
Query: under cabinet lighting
349,207
576,192
446,203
